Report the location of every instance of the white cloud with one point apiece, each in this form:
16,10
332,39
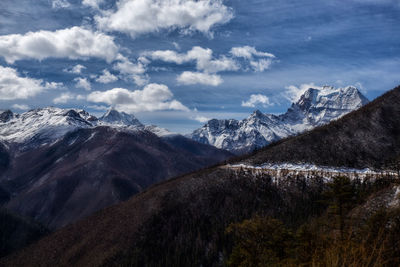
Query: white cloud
208,66
202,56
176,45
259,61
71,43
106,77
201,119
134,71
80,97
188,78
248,52
14,86
53,85
60,4
256,99
66,97
136,17
92,3
63,98
261,65
98,107
152,97
293,93
20,106
77,69
83,83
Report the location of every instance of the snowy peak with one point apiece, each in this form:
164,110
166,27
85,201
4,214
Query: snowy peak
319,106
40,125
112,116
315,107
330,97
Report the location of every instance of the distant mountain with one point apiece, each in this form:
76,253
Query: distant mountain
44,125
314,108
58,166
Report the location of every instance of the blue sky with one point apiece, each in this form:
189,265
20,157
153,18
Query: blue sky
177,63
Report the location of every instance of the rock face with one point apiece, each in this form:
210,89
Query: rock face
58,166
314,108
6,115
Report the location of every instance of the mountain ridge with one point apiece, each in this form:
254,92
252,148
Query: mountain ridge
315,107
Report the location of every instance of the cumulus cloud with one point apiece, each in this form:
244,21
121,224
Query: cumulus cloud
255,100
60,4
106,77
151,98
207,65
293,93
71,43
189,78
83,83
202,56
135,17
13,86
77,69
20,106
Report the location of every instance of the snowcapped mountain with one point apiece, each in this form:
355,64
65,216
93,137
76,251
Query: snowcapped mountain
45,125
40,125
314,108
52,160
113,117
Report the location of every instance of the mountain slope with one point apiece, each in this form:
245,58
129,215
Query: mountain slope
368,137
99,167
185,210
17,232
314,108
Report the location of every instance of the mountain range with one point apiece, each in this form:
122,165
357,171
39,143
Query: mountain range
52,159
184,221
315,107
60,165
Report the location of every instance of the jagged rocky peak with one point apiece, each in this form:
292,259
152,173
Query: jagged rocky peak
315,107
112,116
85,115
6,115
330,97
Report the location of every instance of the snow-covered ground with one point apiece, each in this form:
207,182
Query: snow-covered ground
284,169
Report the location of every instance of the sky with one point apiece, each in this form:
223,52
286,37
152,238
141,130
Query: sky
178,63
